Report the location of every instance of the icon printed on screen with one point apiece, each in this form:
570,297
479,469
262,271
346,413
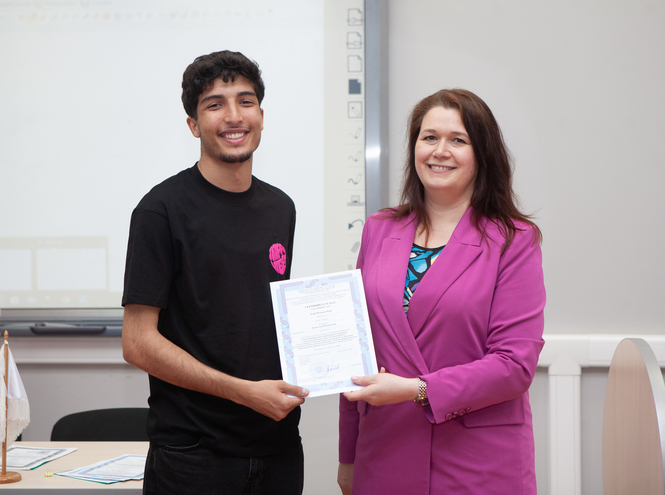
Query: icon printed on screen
354,40
354,63
355,17
355,109
355,87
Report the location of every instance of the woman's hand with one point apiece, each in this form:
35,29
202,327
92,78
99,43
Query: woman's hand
345,477
383,388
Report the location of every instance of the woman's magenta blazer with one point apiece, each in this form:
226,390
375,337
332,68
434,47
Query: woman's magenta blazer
473,333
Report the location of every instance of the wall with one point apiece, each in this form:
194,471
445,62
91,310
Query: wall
576,87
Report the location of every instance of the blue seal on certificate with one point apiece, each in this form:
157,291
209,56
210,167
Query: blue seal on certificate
318,370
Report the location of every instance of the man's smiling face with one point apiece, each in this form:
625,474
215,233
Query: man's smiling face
229,121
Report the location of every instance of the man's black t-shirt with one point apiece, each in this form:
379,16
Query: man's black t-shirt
206,257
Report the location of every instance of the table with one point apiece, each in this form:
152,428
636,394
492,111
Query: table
87,453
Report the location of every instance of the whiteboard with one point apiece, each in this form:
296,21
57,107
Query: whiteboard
92,119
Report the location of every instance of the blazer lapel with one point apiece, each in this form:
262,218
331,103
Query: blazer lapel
395,252
462,250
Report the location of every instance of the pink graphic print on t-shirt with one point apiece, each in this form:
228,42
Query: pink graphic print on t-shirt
278,258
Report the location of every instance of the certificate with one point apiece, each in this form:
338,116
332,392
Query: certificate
323,332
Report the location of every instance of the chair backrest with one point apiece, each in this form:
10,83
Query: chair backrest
633,436
126,424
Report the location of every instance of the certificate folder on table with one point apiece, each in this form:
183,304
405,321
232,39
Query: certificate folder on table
323,331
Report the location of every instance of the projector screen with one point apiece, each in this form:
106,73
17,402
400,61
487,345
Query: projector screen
92,119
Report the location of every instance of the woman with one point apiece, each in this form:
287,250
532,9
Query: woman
454,286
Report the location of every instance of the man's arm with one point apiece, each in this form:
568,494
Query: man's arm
144,347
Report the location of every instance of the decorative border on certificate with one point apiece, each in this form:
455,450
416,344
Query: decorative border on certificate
323,331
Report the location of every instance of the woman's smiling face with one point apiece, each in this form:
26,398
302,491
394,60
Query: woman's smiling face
445,161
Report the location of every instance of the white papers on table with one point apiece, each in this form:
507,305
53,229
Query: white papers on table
25,458
124,468
323,331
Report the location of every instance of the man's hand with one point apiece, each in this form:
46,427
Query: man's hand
144,347
383,388
268,397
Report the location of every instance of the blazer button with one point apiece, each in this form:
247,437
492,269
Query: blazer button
461,413
449,417
468,410
454,415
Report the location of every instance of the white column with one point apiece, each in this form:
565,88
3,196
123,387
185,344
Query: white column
565,423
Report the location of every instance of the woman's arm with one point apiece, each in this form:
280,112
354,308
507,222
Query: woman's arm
514,338
513,343
345,477
383,388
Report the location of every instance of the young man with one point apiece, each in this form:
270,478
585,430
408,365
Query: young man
203,247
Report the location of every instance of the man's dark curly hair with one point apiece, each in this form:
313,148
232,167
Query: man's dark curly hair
228,65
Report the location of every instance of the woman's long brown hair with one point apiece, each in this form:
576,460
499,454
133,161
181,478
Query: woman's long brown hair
493,196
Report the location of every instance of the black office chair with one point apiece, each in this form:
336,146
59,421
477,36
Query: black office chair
127,424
